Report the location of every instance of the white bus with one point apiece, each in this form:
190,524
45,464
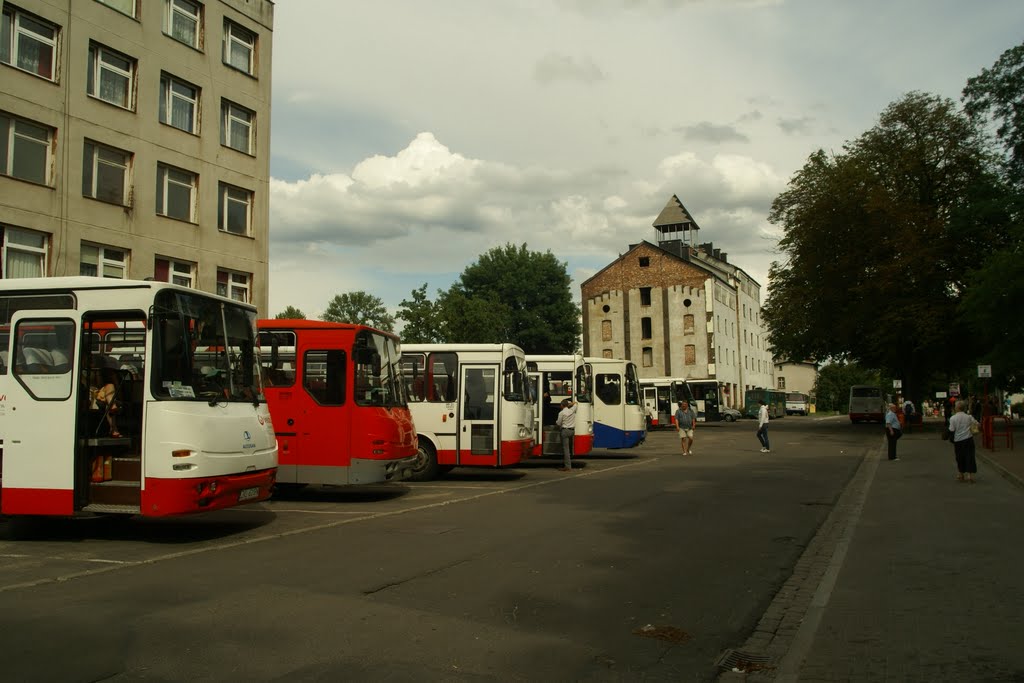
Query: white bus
797,403
470,405
619,420
188,430
866,403
554,378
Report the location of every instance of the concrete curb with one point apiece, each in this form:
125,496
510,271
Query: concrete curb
1005,473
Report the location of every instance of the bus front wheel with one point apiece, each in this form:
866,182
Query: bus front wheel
425,468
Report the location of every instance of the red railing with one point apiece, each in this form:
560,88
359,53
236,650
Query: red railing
989,426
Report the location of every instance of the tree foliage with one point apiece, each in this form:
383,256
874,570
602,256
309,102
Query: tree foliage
879,240
291,313
359,308
421,317
512,294
997,94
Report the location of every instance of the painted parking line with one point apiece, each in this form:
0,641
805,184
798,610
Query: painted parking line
60,558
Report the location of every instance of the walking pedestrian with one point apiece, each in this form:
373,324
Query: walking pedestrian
686,422
892,430
908,412
963,425
762,427
566,420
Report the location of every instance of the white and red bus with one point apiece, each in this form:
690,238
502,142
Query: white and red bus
552,379
335,392
188,430
619,420
470,404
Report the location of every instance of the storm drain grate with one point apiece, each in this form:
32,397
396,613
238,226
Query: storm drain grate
738,660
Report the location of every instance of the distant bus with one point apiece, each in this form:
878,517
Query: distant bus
471,406
703,395
338,401
774,399
797,403
866,403
619,420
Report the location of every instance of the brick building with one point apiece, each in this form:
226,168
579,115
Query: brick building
135,141
678,308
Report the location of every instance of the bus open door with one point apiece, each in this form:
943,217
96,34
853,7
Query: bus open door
477,436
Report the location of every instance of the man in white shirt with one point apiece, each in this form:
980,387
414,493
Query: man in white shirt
566,420
762,428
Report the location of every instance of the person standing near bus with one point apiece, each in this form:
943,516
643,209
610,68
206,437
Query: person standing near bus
893,430
686,422
567,421
762,427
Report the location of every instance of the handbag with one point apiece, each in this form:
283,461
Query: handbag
975,428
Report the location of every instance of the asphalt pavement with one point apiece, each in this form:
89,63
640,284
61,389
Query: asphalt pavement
914,576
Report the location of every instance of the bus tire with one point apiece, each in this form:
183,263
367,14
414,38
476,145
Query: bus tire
425,468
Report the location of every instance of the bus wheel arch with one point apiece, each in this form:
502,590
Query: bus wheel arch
425,468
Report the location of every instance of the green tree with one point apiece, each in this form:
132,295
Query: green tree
997,94
879,239
511,294
359,308
291,313
423,324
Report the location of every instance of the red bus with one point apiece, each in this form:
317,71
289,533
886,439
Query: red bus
338,402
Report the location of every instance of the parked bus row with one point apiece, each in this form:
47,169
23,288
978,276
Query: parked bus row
151,399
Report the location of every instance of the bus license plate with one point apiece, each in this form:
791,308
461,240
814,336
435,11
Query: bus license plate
246,494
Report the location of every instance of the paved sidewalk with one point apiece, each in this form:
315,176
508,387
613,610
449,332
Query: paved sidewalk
915,577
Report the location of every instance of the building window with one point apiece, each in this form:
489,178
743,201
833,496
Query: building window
645,328
606,330
236,127
122,6
782,383
24,252
111,76
176,272
25,149
239,47
689,355
606,353
645,261
234,285
688,323
179,104
100,261
28,42
176,193
234,209
105,173
648,356
183,22
645,296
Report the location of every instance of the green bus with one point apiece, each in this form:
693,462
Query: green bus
775,399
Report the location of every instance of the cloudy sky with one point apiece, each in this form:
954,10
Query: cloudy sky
409,137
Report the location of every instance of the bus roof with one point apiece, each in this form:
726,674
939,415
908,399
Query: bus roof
48,285
303,324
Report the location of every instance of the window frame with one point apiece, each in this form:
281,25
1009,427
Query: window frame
94,161
224,205
9,157
163,177
174,9
6,246
230,39
167,99
13,42
230,282
102,260
226,128
113,5
96,67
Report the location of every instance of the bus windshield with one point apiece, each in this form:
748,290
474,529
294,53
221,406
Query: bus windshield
204,349
378,374
514,379
632,386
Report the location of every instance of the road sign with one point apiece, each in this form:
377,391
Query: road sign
897,384
940,394
954,389
984,371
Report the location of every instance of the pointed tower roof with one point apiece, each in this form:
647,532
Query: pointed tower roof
675,217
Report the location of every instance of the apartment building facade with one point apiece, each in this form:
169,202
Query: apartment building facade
679,309
135,141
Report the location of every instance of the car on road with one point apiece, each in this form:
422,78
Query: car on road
729,414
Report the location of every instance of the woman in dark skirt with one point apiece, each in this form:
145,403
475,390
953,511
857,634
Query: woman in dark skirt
963,442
